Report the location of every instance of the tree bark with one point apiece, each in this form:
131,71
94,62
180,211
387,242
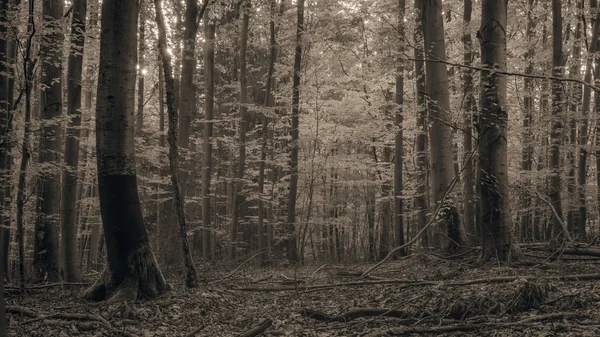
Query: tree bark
470,108
493,154
439,111
239,174
139,125
132,270
557,124
209,82
46,244
70,257
399,141
178,197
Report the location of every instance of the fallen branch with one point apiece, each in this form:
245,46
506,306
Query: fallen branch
354,314
59,315
50,285
238,267
416,283
195,331
257,330
471,326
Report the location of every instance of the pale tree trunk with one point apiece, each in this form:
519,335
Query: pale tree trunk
583,130
528,100
187,91
132,270
470,108
70,257
291,209
265,128
443,175
399,141
574,99
557,124
420,202
139,124
190,271
493,155
209,87
46,246
28,65
239,174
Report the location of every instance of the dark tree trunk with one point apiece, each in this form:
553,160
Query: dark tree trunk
399,141
139,125
209,82
132,271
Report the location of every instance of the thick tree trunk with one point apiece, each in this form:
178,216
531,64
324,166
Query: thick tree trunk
45,249
178,197
70,257
239,174
583,130
443,175
422,196
470,108
209,83
291,209
493,155
557,118
399,141
132,270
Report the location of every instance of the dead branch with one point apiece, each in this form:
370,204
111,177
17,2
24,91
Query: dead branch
331,286
59,315
354,314
238,267
470,326
195,331
257,330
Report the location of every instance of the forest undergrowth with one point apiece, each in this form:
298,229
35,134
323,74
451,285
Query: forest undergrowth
545,293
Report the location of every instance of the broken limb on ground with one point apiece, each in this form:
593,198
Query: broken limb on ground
544,294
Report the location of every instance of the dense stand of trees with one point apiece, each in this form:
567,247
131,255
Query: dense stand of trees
321,131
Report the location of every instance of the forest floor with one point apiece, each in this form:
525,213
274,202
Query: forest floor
424,294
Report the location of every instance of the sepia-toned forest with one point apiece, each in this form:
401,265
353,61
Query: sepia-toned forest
299,167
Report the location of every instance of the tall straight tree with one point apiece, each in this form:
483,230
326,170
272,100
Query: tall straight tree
139,124
469,108
45,248
239,175
132,270
583,129
292,253
209,87
440,140
187,91
557,124
493,155
70,258
399,141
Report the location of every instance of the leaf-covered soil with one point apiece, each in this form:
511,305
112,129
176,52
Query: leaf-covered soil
423,294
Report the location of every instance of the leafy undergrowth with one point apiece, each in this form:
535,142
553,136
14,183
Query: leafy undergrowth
421,295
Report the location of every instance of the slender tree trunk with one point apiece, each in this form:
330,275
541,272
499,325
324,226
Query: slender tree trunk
46,254
470,107
421,198
209,83
493,154
291,216
399,141
583,129
179,198
132,270
239,175
557,124
70,257
443,175
265,128
139,125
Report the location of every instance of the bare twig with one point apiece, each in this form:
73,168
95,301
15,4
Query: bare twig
257,330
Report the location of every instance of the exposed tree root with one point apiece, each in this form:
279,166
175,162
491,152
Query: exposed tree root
354,314
257,330
478,326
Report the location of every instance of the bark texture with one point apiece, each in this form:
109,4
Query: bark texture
209,87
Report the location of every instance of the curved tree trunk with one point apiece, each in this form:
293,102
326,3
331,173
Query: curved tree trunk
440,133
132,270
70,257
493,155
190,270
45,249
